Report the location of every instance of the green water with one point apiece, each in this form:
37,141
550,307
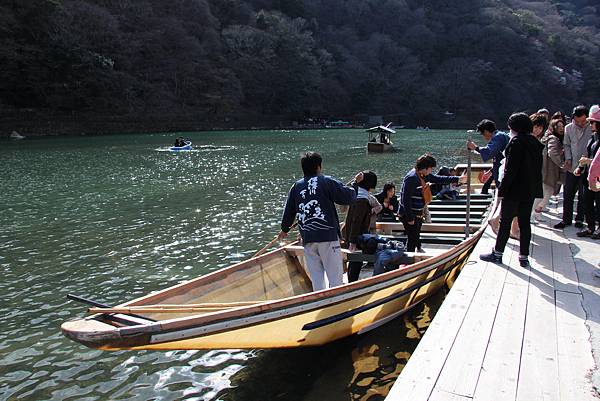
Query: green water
112,218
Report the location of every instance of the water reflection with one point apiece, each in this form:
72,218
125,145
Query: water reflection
110,218
360,367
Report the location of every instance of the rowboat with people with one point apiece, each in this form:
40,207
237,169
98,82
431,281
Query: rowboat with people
267,301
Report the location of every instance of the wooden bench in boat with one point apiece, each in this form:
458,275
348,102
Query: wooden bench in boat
453,207
298,250
388,228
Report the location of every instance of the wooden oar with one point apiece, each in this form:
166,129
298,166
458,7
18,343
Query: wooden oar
174,308
274,240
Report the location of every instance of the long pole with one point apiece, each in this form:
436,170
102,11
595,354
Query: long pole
468,214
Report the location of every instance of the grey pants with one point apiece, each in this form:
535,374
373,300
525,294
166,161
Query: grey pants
324,259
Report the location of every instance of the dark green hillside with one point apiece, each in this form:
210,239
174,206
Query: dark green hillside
281,60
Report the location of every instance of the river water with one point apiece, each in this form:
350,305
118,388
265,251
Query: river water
113,217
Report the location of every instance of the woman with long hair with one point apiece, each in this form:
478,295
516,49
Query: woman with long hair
553,161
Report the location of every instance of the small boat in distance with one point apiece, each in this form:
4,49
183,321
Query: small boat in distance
16,135
187,146
380,139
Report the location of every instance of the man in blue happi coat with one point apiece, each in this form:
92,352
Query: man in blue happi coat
496,143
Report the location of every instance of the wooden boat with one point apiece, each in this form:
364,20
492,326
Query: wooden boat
380,139
16,135
268,302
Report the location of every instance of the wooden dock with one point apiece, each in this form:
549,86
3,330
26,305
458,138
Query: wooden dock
510,333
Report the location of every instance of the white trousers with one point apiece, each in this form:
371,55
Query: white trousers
324,259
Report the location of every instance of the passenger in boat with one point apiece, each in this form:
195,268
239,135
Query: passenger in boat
590,195
389,254
520,185
312,201
496,143
179,142
416,194
388,199
445,191
358,219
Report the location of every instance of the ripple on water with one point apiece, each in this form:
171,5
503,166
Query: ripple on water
110,219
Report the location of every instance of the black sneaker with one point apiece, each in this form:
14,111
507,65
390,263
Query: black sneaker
523,261
585,233
579,224
493,257
561,225
596,234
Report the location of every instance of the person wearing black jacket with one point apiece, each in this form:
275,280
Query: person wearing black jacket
591,198
387,197
358,220
521,184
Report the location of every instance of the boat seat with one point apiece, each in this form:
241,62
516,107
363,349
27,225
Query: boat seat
298,250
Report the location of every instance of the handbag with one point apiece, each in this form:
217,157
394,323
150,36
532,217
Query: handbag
484,176
426,191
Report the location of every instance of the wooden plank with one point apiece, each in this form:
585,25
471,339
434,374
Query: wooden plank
422,370
427,227
474,266
464,362
538,376
500,370
565,274
441,395
454,213
575,360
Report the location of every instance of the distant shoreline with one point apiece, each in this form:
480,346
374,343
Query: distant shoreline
33,124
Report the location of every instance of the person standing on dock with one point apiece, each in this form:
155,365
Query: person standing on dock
577,135
415,194
312,201
520,185
590,195
496,143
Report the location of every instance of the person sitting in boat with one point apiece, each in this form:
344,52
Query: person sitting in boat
358,219
445,191
387,197
389,254
179,142
416,194
312,201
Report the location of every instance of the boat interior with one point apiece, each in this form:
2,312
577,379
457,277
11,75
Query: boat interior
281,273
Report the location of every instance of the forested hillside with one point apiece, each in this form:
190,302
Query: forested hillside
220,59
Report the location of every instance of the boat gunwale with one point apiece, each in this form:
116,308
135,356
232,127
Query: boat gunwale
213,327
328,293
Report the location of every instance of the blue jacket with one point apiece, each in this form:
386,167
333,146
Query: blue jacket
312,200
494,150
411,195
